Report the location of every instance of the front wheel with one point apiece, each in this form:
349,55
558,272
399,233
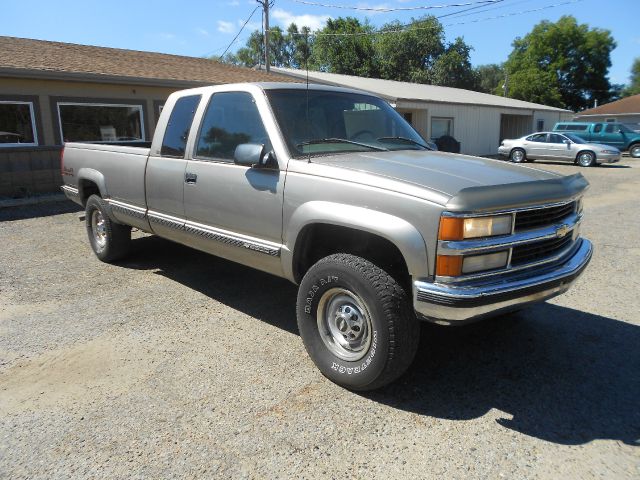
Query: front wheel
356,322
109,240
586,159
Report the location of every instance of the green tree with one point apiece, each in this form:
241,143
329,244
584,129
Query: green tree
351,54
453,68
490,78
561,64
634,85
409,54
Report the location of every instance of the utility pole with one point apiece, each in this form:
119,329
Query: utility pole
505,87
265,6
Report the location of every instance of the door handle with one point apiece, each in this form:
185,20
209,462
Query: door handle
190,178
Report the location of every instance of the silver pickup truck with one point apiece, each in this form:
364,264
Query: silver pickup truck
333,190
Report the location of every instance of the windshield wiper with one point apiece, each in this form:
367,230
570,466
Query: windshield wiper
320,141
404,139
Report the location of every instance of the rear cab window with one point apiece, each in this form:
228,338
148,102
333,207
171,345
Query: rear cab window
175,138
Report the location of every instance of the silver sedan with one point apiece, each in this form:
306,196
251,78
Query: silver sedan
556,146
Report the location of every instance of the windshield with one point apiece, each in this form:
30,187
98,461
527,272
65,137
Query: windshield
574,138
339,122
624,128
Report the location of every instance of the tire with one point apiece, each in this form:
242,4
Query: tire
586,159
634,150
518,155
356,322
109,240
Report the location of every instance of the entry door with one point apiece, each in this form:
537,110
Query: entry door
164,179
231,210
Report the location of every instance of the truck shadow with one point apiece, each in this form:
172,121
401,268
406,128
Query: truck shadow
558,374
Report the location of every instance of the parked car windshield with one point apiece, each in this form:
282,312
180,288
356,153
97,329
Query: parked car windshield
320,122
574,138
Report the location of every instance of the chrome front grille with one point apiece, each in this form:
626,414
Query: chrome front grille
542,217
534,252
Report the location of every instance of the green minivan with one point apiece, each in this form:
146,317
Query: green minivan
607,133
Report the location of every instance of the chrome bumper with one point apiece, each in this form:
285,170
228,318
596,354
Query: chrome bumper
451,304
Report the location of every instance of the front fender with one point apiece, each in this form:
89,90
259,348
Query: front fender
398,231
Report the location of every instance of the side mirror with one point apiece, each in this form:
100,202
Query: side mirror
253,155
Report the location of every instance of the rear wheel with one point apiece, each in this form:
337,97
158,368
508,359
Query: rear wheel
109,240
634,150
586,159
518,155
356,322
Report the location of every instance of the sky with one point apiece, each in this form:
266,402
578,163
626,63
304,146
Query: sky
207,27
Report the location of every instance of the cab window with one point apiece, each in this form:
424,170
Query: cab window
232,118
555,138
597,128
175,136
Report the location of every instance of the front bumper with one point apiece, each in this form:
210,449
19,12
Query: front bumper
456,304
608,157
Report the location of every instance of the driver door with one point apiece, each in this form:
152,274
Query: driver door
231,210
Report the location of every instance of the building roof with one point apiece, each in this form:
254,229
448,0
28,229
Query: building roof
626,105
22,57
398,91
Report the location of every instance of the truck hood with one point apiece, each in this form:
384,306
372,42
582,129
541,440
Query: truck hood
461,181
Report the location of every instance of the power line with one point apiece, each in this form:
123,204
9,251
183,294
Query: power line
395,9
238,34
485,8
407,27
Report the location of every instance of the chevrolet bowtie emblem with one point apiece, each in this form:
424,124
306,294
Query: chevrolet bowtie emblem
562,230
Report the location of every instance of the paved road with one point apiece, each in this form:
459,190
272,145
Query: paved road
177,364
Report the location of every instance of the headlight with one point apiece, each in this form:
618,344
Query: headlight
454,228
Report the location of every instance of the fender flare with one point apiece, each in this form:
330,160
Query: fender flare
398,231
94,176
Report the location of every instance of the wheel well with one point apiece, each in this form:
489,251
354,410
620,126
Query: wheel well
584,151
320,240
86,188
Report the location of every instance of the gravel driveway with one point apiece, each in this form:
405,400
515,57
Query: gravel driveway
175,364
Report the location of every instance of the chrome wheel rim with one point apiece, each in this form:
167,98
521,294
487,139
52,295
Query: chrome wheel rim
517,156
635,152
584,159
99,229
344,324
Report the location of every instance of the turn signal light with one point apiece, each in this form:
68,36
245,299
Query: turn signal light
449,265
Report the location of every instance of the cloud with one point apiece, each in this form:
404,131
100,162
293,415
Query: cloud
233,3
202,31
225,27
250,26
314,22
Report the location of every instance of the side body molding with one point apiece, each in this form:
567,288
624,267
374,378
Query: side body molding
398,231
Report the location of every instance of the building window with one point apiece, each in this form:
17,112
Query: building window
441,127
17,124
94,122
408,116
539,125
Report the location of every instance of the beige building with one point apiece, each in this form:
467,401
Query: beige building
52,92
478,121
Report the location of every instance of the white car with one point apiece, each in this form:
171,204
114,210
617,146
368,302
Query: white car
558,146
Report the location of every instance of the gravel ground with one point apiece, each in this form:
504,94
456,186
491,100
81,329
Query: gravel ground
175,364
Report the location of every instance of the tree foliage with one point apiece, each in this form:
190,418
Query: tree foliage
416,52
634,85
490,78
561,64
